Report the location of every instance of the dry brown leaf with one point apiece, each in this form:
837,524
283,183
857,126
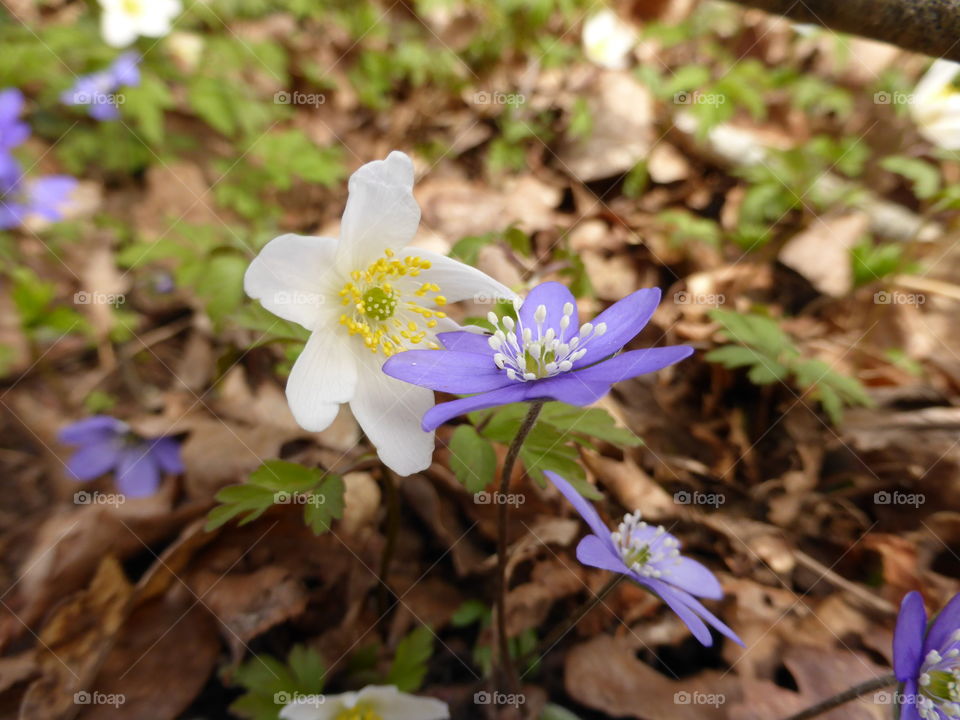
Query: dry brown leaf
605,674
74,641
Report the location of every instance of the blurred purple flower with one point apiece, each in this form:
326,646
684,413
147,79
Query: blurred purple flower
649,556
105,444
19,197
13,131
927,662
99,90
543,354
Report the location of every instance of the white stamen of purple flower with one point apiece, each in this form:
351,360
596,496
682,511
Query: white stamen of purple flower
648,552
939,682
539,353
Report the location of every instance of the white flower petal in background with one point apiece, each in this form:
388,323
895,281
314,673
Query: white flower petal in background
123,21
383,702
608,40
364,297
936,105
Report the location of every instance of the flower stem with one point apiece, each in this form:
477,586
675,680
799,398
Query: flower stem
506,662
561,630
845,697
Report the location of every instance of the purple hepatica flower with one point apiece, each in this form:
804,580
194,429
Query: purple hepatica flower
650,556
541,355
106,444
20,198
99,90
927,662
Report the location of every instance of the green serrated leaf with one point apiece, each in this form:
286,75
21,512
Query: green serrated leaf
324,504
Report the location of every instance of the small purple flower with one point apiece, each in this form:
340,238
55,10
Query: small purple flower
105,444
927,662
13,131
19,197
542,354
99,90
649,556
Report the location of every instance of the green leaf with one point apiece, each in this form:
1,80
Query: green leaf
555,712
472,459
924,176
409,667
468,249
470,612
324,504
267,682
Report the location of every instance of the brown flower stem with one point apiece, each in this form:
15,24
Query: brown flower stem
845,697
561,630
507,668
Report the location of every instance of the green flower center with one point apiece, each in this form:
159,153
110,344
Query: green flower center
363,711
379,304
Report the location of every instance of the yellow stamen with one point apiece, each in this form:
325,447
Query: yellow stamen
386,321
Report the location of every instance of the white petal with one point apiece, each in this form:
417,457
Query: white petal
944,133
309,711
324,376
380,214
157,17
395,705
390,411
937,79
293,277
458,281
117,29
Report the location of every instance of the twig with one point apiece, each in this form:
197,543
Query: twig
926,26
560,631
845,697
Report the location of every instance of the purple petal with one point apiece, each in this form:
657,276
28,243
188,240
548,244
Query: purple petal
447,370
908,708
93,460
166,453
908,636
11,214
11,105
553,296
91,429
680,597
945,624
624,320
13,135
582,506
694,578
633,363
439,414
463,341
104,111
49,194
593,551
674,600
137,472
569,388
126,70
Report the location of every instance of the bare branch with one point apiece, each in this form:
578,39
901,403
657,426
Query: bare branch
926,26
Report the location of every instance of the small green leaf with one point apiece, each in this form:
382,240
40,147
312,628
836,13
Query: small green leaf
324,504
409,666
472,459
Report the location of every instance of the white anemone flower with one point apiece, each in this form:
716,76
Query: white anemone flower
123,21
374,702
936,105
608,40
365,297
